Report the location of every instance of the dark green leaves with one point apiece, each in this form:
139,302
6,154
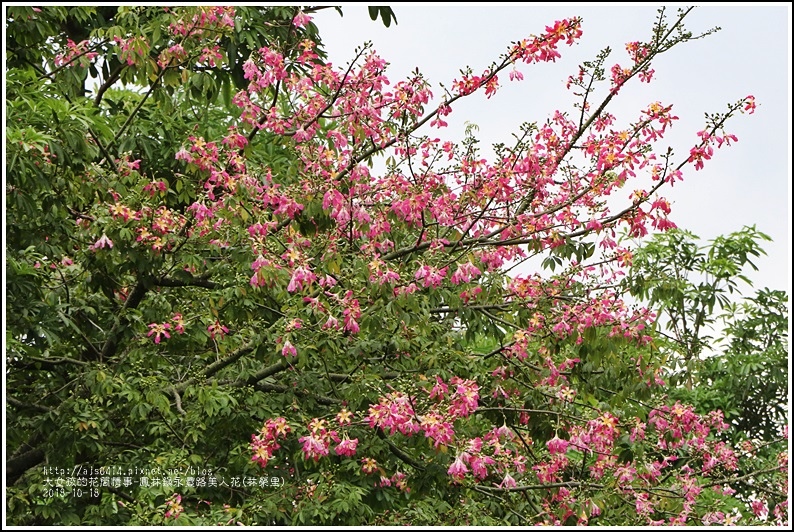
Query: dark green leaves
384,12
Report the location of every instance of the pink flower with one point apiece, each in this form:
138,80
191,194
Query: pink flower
351,313
103,241
394,412
749,104
179,324
264,443
638,431
302,277
557,445
759,509
262,450
439,390
314,446
478,465
301,19
235,140
369,465
344,417
437,429
331,323
346,447
289,349
508,482
465,273
217,328
466,397
154,186
350,323
458,469
183,155
642,504
159,329
174,506
431,276
399,481
700,153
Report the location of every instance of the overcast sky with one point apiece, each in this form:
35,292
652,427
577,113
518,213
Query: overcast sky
745,184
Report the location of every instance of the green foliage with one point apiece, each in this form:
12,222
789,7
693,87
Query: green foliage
384,12
744,372
689,284
747,378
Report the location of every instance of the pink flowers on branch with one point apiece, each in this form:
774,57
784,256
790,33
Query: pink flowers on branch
266,443
359,267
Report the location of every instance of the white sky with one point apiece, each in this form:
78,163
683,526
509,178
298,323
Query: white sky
747,183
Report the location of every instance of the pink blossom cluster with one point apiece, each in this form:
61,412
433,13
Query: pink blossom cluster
208,21
475,207
133,50
489,451
266,442
316,444
394,412
74,51
399,480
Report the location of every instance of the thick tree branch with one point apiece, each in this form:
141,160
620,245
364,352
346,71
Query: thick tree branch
264,373
215,367
549,486
27,406
193,281
112,78
178,401
399,453
16,466
45,362
280,388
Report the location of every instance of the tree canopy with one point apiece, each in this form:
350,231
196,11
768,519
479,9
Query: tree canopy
246,286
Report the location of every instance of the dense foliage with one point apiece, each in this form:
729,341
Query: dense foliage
744,373
244,285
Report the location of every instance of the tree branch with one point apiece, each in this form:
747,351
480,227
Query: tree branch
280,388
551,485
27,406
215,367
111,344
112,78
399,453
16,466
178,401
193,281
264,373
140,104
741,478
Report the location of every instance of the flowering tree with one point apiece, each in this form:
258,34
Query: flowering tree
246,285
744,374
